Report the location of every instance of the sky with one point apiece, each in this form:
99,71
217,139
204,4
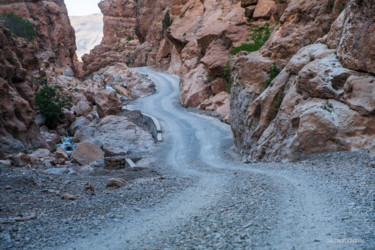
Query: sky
82,7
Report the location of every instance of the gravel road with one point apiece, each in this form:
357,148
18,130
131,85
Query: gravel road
325,201
192,193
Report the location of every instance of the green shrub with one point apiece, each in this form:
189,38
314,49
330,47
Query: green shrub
146,58
166,21
258,37
274,71
277,102
19,26
51,104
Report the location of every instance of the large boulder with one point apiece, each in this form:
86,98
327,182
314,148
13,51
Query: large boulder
87,152
263,9
117,135
79,122
82,108
107,103
356,48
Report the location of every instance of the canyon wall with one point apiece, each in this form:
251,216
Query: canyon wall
23,61
320,101
119,41
323,99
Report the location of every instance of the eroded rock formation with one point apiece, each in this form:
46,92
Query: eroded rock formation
322,100
47,57
52,45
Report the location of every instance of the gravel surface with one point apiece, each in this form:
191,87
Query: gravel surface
192,194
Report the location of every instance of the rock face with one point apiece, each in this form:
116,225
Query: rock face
21,60
322,100
356,47
127,82
196,48
119,36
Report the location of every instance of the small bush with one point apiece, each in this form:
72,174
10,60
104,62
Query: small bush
146,58
208,80
311,56
274,71
257,37
51,104
19,26
166,21
277,102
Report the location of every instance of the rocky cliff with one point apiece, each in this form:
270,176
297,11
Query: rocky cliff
306,90
190,38
50,43
119,39
323,98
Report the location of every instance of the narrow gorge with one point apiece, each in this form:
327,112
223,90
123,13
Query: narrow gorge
193,124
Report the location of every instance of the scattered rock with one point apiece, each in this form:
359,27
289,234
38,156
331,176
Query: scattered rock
41,153
87,152
82,108
61,154
6,163
21,159
40,120
68,197
33,159
51,139
115,183
59,171
97,164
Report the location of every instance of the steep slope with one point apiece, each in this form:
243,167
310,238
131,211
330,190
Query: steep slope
319,102
119,39
323,98
23,64
89,32
194,41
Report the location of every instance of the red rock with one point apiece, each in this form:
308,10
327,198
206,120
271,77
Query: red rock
82,108
87,152
68,197
356,49
218,85
115,183
61,154
107,103
263,9
246,3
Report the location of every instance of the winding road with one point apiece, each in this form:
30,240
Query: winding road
229,204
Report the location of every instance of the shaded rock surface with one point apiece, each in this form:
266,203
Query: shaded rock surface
117,135
22,61
321,101
87,152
